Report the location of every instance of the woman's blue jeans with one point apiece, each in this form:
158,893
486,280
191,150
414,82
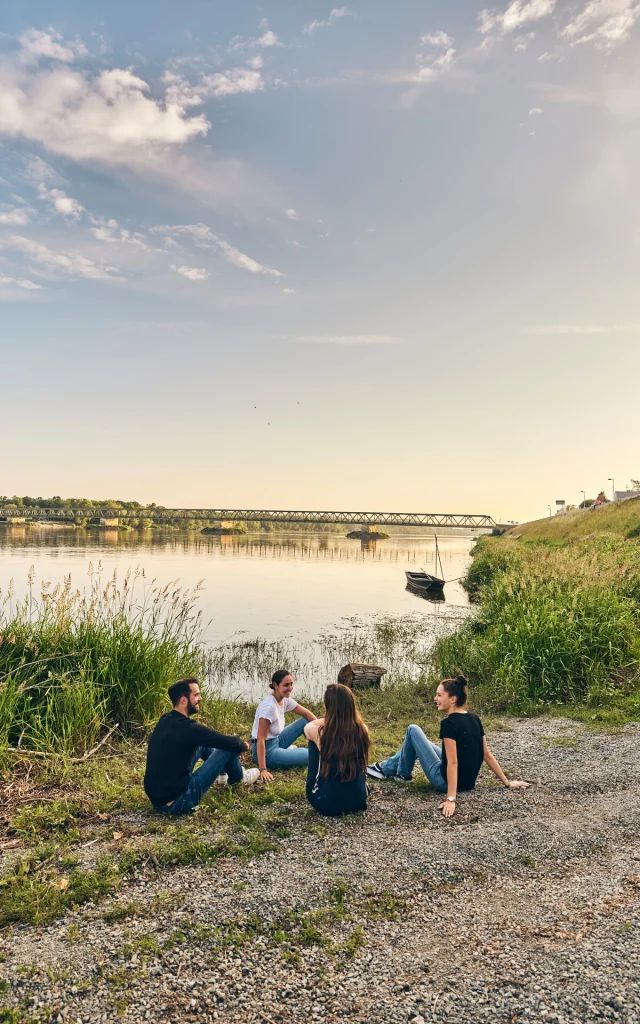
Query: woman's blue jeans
280,753
416,745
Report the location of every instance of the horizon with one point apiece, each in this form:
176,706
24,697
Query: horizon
322,258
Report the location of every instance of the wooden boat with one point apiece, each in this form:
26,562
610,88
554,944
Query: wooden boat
423,581
433,596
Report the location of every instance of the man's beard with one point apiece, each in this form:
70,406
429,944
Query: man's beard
192,709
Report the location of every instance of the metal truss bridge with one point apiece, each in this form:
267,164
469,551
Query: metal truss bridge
464,521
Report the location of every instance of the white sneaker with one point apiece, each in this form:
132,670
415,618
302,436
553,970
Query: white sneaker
221,781
250,775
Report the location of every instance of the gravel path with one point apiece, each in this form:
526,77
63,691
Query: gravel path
523,908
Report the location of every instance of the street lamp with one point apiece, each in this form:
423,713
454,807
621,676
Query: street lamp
549,507
613,486
584,498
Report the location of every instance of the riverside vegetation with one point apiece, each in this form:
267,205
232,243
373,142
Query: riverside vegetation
556,627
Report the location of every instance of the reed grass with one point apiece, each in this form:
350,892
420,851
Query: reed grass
558,623
72,662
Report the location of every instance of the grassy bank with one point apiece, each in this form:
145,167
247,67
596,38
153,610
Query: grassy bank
558,620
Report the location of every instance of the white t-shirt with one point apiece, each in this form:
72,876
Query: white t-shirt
274,712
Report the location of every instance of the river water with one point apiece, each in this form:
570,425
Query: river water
293,590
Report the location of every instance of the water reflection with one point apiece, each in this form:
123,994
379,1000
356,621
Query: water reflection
287,588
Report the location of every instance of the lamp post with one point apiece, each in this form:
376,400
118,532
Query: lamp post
584,498
549,507
613,487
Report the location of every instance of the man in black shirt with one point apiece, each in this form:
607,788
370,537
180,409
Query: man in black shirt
176,745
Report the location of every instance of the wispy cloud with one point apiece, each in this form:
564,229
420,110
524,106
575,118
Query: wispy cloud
291,214
205,238
54,263
631,328
514,16
192,273
605,23
348,339
18,282
334,15
51,45
14,215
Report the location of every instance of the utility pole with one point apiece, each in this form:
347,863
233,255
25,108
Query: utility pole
613,487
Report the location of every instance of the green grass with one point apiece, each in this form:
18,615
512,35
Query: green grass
74,663
557,625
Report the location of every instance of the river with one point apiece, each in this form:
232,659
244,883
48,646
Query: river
293,590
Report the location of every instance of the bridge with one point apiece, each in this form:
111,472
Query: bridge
459,520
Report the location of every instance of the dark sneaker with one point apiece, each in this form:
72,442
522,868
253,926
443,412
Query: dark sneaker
374,771
403,778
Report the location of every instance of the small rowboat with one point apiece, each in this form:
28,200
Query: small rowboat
423,581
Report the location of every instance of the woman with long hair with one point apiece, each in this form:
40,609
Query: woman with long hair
271,740
338,755
454,766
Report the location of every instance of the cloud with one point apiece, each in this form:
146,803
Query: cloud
232,82
516,14
53,262
291,214
606,23
542,329
349,339
61,202
18,282
436,39
109,117
16,215
334,15
255,62
109,231
534,111
205,238
192,273
37,170
268,39
288,291
51,45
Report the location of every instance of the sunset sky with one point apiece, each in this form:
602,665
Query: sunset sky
380,256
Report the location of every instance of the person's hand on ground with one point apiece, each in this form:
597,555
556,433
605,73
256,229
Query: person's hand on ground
517,784
265,776
448,808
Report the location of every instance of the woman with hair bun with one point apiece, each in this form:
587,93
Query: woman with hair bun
271,740
453,767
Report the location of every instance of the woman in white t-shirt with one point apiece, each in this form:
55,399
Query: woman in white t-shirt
271,739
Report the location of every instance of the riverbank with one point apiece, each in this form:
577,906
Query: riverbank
536,891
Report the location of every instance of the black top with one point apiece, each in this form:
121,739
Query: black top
466,730
172,746
332,796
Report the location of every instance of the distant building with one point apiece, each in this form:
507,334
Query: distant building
624,495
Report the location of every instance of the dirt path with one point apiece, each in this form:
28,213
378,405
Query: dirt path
524,908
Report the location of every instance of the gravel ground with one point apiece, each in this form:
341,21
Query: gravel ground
523,908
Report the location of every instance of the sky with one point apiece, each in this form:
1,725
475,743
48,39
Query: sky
288,255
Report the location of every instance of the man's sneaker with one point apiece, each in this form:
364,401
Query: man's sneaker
250,775
403,778
221,781
374,771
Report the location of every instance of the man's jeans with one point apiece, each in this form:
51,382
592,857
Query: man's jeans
216,762
429,755
280,753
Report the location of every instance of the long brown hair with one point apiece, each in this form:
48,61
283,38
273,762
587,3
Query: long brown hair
344,737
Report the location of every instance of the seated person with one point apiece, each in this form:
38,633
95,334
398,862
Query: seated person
338,753
177,743
271,739
453,767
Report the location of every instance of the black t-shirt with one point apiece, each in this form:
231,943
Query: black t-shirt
466,730
172,745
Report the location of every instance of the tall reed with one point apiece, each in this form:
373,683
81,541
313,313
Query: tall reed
72,661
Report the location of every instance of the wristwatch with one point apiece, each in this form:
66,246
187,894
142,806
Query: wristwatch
451,799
